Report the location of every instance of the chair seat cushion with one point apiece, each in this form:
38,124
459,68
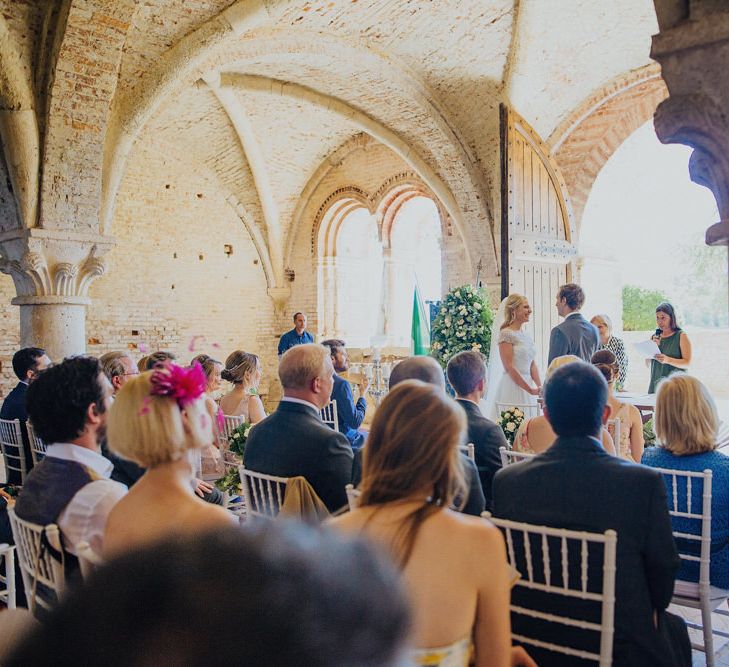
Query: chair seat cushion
687,591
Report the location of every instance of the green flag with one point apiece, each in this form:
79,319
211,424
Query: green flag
420,332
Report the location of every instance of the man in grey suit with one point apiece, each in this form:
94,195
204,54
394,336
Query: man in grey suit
293,440
575,335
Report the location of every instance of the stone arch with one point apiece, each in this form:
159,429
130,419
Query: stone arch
586,140
332,213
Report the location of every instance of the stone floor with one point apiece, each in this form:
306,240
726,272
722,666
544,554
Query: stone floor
721,647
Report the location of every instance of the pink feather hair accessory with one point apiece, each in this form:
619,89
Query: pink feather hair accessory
185,385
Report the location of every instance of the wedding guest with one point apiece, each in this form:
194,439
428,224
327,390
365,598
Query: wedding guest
142,363
421,368
576,485
536,435
428,370
243,369
211,462
27,364
68,405
297,336
119,368
350,415
453,566
575,335
630,444
674,346
158,359
467,375
293,440
159,420
284,594
609,342
685,423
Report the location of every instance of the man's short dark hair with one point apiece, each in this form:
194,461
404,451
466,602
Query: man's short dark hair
26,360
334,344
573,295
297,314
158,358
465,370
283,594
575,396
425,369
60,397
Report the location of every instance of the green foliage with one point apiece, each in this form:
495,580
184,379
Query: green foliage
463,322
639,307
649,434
238,438
510,421
230,482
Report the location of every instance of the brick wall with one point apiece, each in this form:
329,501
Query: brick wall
170,278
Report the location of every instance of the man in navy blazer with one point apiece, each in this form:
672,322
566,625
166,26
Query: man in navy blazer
350,415
575,335
27,363
576,484
293,441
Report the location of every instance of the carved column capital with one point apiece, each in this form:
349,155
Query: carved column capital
50,267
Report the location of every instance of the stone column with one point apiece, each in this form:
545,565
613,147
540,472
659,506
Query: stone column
693,50
52,271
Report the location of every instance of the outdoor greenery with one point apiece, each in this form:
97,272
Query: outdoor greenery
463,322
639,307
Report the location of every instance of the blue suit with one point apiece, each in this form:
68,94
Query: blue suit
350,415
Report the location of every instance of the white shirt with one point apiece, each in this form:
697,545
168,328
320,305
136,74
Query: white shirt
301,401
84,518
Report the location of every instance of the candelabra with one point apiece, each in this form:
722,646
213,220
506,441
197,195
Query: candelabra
378,376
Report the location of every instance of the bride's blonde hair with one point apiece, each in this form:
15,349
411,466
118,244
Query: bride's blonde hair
513,301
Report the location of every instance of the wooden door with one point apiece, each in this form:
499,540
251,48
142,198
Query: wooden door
537,232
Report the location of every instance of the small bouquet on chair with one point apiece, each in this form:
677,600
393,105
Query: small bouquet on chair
238,438
510,421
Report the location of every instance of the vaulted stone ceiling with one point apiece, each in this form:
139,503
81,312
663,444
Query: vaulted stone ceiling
424,77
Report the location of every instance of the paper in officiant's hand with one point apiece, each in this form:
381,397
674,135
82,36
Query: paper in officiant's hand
647,349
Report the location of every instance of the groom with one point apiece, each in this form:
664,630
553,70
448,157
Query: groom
575,335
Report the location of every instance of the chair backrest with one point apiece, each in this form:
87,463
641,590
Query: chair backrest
230,423
264,494
37,446
88,559
509,456
561,552
683,487
613,427
7,593
469,450
37,564
529,410
11,443
329,415
352,496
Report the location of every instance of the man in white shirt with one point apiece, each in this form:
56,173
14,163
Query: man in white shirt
68,406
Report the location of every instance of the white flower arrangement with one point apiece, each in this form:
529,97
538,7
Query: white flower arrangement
463,322
510,420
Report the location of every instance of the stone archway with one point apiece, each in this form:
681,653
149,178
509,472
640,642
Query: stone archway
584,142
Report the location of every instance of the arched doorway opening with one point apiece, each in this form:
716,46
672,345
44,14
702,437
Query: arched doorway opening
643,229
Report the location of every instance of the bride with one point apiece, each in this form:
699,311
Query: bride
513,374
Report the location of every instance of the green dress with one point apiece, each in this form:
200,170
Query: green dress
671,347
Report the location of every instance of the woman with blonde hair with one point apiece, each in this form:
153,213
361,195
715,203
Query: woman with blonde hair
412,472
686,425
513,374
159,421
243,369
535,435
631,441
616,345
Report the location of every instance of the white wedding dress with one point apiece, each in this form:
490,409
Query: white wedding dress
501,391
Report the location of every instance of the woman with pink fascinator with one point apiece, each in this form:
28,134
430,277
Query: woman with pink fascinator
159,421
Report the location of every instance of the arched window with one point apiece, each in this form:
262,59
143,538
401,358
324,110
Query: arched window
415,255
